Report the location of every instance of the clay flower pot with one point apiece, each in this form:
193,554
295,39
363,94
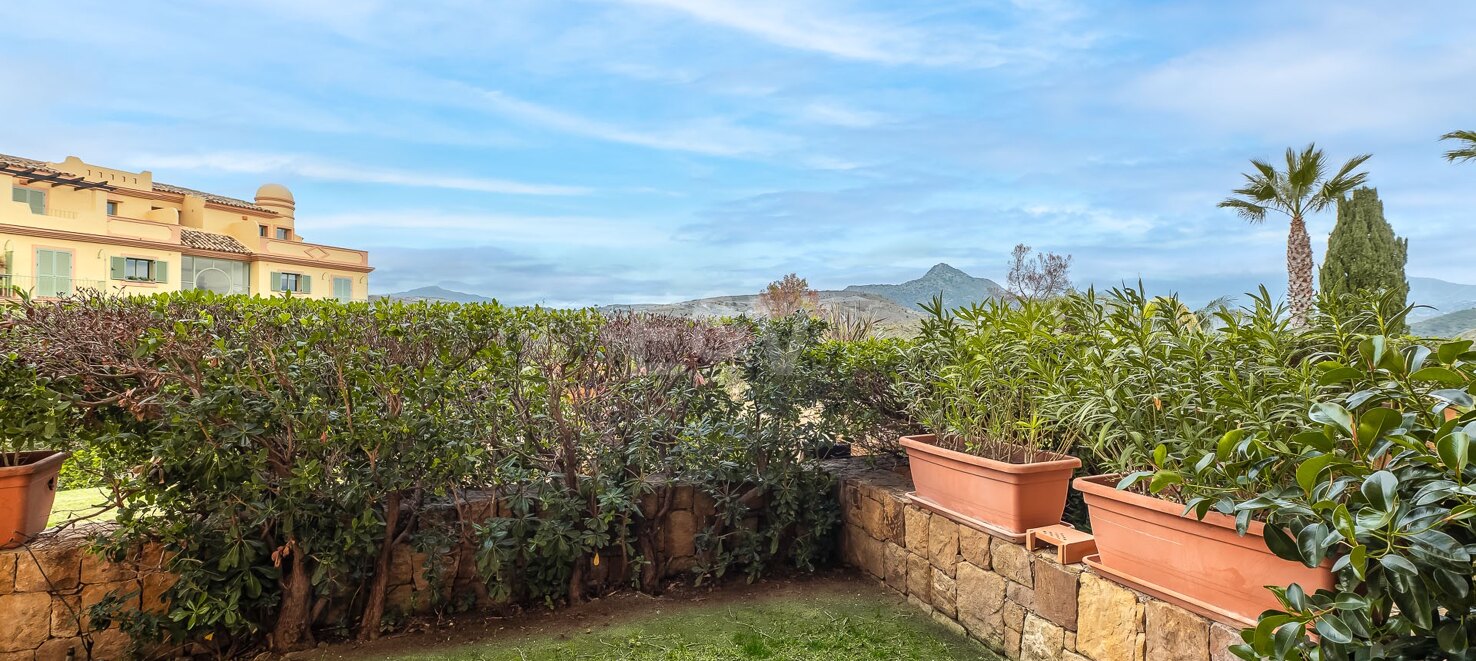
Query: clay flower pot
26,494
1204,566
1007,498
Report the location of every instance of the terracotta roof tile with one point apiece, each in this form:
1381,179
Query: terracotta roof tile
211,241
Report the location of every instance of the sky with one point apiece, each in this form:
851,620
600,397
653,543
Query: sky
623,151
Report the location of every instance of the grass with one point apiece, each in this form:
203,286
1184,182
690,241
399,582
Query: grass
830,624
78,502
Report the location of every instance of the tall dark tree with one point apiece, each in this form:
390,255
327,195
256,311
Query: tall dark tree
1363,253
1303,188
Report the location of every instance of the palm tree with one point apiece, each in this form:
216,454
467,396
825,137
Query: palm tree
1304,188
1466,153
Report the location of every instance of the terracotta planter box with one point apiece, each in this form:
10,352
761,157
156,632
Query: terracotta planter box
1008,498
1203,566
26,495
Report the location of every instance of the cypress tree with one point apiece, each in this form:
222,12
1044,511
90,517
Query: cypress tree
1363,253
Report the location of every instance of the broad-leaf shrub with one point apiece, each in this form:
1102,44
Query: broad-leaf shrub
1383,488
276,450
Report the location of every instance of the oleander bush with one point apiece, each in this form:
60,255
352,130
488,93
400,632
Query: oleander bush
278,449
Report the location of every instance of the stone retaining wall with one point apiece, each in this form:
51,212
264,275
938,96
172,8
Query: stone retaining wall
47,587
1024,605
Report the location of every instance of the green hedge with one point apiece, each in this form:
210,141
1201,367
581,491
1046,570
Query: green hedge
276,449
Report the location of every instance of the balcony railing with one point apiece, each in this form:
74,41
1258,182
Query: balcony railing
62,213
45,286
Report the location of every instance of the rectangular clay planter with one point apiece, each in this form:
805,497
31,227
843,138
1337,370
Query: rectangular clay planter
1011,497
26,495
1204,565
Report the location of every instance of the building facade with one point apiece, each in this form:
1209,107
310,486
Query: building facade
71,225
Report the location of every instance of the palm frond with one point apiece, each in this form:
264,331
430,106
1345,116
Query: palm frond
1345,180
1250,211
1459,154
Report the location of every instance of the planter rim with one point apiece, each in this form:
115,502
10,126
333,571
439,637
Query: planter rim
41,461
924,443
1105,486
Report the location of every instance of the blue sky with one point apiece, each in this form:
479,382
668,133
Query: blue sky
656,150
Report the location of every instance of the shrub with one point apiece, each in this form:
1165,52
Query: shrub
276,450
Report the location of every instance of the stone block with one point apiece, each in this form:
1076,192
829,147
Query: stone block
894,561
111,644
61,649
943,544
1020,595
867,552
944,593
894,517
57,567
974,545
1170,632
1013,615
682,498
1012,561
1055,593
916,529
98,569
7,571
155,587
919,604
1070,641
1012,643
1041,640
919,577
680,534
851,504
1108,621
27,617
981,597
65,613
1221,638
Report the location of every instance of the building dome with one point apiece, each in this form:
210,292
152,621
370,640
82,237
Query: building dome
276,192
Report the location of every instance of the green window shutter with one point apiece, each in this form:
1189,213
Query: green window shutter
115,265
276,281
161,272
307,284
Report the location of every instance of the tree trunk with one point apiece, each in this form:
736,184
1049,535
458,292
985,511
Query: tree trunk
293,630
374,608
1299,292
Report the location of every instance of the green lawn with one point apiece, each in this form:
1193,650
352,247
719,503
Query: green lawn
824,621
78,502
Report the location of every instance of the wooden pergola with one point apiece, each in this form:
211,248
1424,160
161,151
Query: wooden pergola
29,175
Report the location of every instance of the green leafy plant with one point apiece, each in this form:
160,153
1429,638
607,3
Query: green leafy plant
976,377
1379,484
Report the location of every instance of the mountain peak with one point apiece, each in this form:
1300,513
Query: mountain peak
956,287
942,269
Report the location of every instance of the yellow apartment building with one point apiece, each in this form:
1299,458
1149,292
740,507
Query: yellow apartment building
71,225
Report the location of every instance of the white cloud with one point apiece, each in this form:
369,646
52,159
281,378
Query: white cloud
551,231
714,136
312,168
799,25
836,114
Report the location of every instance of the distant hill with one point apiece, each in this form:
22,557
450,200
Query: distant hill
1445,297
1455,324
956,287
434,293
885,312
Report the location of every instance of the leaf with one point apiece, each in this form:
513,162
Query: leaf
1132,478
1396,564
1451,636
1281,544
1450,351
1380,489
1328,413
1226,447
1333,629
1441,375
1375,423
1454,450
1436,546
1310,469
1286,638
1311,544
1339,375
1455,396
1163,479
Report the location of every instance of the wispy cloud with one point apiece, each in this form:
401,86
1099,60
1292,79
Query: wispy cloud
313,168
714,136
851,35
